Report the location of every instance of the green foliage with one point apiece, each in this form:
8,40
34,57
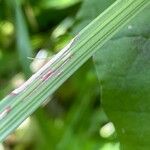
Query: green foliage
123,68
23,41
89,11
73,119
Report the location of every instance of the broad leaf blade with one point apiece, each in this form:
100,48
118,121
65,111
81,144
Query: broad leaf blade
123,67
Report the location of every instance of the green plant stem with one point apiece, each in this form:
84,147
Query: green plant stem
22,102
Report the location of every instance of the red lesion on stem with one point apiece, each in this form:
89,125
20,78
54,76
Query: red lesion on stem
5,112
47,75
12,94
8,109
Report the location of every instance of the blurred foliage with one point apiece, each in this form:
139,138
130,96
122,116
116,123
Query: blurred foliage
89,11
73,118
123,67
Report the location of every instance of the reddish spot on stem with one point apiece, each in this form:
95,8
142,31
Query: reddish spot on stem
8,109
47,75
4,113
12,94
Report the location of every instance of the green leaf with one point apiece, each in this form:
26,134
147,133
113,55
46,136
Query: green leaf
123,68
22,102
89,10
22,38
139,26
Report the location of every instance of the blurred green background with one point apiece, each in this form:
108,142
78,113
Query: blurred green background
31,32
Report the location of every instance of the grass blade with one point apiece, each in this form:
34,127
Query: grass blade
23,41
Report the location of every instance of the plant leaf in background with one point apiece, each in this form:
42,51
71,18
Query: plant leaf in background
23,41
123,68
90,9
